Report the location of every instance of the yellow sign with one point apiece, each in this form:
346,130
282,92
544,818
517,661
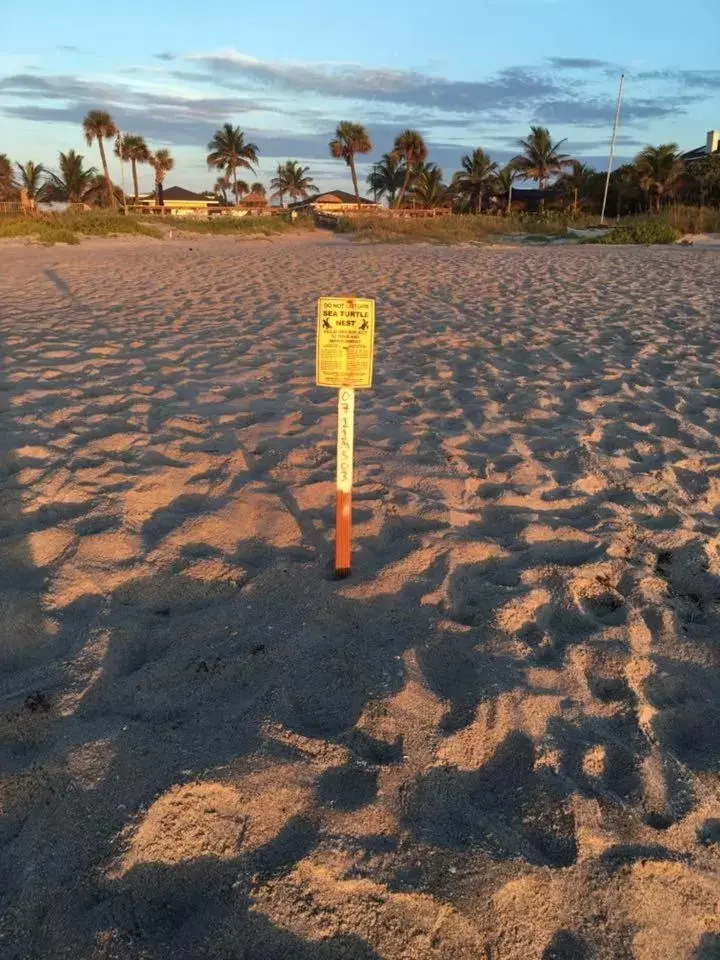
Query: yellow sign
345,338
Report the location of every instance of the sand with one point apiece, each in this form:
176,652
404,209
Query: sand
499,740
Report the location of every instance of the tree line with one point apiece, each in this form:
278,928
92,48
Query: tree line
404,176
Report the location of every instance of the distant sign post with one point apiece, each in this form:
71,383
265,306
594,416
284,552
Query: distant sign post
344,359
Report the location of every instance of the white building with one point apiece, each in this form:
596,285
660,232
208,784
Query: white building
712,145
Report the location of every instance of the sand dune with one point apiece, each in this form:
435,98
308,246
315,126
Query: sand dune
498,739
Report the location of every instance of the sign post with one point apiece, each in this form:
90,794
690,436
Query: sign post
344,359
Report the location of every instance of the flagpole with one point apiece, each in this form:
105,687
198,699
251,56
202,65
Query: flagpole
612,147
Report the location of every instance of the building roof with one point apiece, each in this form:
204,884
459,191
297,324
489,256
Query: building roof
254,199
180,193
332,196
699,153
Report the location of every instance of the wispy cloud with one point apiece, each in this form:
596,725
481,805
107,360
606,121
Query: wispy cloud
690,79
577,63
291,108
599,112
510,88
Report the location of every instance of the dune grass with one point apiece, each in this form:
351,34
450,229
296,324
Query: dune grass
52,228
664,227
451,229
691,219
238,226
39,228
667,226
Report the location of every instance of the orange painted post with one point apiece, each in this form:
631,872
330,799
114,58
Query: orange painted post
344,359
343,494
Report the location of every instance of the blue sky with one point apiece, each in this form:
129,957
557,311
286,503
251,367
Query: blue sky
474,73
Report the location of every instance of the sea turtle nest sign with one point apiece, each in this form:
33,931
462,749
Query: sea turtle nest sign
345,340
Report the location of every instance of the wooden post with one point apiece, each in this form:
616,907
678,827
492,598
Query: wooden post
343,502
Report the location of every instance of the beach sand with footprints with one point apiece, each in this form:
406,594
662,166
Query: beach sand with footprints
498,740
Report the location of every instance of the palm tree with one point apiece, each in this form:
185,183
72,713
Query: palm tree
504,180
300,183
410,149
292,179
428,188
99,125
228,151
132,147
162,163
258,189
628,189
350,138
577,181
477,173
542,158
8,188
31,178
74,183
659,170
278,184
386,178
241,188
220,188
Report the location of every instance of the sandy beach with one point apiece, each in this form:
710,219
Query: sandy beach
498,740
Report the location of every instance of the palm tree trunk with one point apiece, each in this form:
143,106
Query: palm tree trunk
575,201
234,170
406,181
111,194
133,164
351,161
509,206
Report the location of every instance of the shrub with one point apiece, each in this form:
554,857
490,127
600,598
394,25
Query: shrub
640,232
237,226
455,228
67,227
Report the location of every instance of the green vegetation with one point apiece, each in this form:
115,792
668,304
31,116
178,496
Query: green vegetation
43,229
411,151
349,140
70,227
659,196
667,226
449,229
99,125
477,175
692,219
386,178
74,183
229,152
640,231
133,148
239,226
291,179
162,163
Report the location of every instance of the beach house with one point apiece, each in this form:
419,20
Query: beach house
332,201
181,202
712,145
